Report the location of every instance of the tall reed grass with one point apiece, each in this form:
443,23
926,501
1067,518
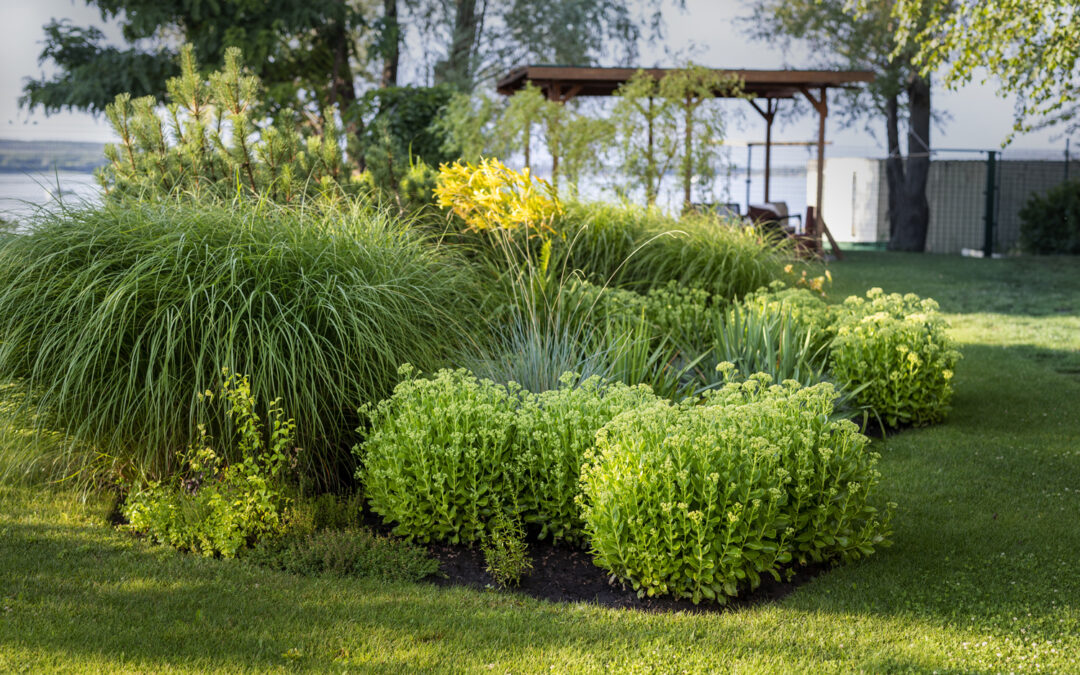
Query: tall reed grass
113,319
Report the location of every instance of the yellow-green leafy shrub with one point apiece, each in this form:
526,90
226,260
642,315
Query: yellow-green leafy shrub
697,500
554,431
448,454
214,508
438,457
896,348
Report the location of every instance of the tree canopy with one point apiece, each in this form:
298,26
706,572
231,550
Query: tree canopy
1032,48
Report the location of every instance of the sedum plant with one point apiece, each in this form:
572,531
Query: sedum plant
438,457
555,430
895,352
696,501
448,455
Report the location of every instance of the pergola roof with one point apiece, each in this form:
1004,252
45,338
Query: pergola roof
562,82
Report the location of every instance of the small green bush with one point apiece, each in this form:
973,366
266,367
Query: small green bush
895,352
437,460
555,429
697,500
348,552
448,454
214,508
506,555
1050,223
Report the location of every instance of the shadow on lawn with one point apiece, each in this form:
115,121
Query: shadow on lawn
89,598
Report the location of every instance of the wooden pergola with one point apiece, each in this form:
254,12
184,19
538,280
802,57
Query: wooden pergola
764,89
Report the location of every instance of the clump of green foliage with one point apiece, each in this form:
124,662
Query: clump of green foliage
640,249
1050,223
696,501
554,430
208,145
506,555
111,317
437,461
895,352
447,454
216,508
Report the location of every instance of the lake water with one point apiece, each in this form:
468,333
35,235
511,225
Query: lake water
23,193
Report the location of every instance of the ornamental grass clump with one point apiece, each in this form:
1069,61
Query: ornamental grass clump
699,501
112,317
894,351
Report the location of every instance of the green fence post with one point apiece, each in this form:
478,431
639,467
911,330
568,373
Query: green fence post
991,186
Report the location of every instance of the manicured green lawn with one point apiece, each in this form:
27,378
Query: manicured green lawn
982,577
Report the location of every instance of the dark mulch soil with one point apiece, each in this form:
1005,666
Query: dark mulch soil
566,575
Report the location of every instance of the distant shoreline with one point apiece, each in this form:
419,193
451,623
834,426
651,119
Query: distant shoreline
50,156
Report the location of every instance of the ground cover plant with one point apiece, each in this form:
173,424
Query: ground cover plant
979,579
113,318
214,508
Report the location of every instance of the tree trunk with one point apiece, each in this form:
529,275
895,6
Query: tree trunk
391,43
650,162
894,163
913,209
456,69
342,89
688,159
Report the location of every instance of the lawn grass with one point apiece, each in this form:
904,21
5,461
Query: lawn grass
982,576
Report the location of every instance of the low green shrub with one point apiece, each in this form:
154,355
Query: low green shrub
1050,223
437,460
554,430
895,352
347,552
215,508
506,555
445,455
697,500
113,316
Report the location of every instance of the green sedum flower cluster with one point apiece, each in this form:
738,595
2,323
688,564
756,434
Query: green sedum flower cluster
695,501
896,349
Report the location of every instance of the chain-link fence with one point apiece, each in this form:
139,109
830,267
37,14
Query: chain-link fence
975,196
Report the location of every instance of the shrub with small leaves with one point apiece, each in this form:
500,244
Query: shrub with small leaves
554,431
438,457
506,555
447,455
217,509
697,500
896,348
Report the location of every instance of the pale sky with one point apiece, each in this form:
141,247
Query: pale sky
707,32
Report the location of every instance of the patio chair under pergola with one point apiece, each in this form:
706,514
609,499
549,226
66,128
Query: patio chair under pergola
764,89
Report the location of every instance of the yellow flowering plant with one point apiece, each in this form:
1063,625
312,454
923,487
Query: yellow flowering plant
489,196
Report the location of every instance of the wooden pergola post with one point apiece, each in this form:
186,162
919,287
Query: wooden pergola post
821,105
769,113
